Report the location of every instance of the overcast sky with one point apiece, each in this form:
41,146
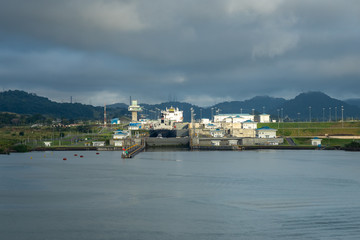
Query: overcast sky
198,51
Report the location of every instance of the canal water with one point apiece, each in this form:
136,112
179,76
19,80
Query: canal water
265,194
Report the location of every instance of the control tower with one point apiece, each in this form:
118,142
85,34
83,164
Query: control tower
134,108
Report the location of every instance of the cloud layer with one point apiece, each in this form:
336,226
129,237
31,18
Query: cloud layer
205,51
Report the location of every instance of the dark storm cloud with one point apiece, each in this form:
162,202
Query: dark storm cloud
204,51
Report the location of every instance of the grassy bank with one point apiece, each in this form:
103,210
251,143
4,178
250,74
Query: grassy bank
25,138
303,129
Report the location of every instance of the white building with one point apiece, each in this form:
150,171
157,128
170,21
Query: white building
249,125
233,117
266,132
264,118
134,126
316,141
120,134
172,114
205,121
217,133
47,144
212,125
98,143
117,143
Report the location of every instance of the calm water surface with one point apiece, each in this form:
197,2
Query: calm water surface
181,195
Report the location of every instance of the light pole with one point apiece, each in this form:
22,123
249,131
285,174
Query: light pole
253,111
212,114
335,114
240,110
263,109
342,116
298,124
323,114
309,113
329,114
282,115
278,118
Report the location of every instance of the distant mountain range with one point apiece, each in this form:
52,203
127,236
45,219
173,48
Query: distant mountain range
317,105
323,108
28,103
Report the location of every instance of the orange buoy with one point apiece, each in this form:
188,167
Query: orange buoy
64,159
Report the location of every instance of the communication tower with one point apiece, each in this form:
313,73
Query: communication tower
134,108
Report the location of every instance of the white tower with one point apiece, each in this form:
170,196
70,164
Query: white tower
134,108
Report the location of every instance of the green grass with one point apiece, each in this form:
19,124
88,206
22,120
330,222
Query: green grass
325,141
315,128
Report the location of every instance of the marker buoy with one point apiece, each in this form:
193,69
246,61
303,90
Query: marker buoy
75,155
81,156
64,159
97,153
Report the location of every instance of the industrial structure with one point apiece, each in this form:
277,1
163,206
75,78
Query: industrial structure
134,108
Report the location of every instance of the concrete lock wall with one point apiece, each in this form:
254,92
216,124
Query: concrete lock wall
261,141
158,142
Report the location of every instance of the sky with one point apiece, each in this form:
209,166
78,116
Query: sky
202,52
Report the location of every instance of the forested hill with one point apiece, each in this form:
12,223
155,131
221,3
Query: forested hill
317,105
27,103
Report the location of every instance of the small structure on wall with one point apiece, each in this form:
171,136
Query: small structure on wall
98,143
316,141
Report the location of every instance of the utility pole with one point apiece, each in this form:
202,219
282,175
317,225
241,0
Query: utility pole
298,124
309,113
335,114
278,118
212,114
342,116
323,114
329,114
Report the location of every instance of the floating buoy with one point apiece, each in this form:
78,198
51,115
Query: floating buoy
97,153
64,159
75,155
81,156
30,157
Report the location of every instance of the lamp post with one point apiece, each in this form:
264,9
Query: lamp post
335,114
309,113
278,118
323,114
329,114
298,123
342,116
212,114
240,110
282,115
263,109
